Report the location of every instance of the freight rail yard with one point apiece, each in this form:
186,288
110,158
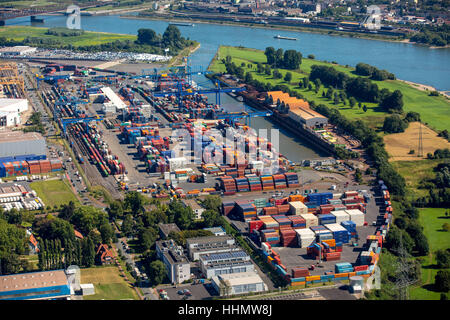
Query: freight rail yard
156,132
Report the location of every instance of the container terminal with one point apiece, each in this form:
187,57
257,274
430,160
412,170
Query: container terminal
309,226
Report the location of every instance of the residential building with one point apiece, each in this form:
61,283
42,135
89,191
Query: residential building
32,243
211,244
198,210
213,264
238,283
104,255
166,228
178,266
35,286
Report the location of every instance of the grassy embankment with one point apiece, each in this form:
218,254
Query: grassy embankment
54,192
432,220
435,111
88,38
108,284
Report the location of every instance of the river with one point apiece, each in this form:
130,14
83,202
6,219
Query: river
410,62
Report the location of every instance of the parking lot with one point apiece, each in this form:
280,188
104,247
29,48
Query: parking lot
198,292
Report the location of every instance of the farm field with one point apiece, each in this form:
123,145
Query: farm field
109,285
54,192
434,111
398,145
432,220
87,39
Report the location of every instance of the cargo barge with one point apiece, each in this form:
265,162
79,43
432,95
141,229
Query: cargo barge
284,38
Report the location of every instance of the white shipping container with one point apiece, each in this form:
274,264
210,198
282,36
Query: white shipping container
297,208
335,227
310,219
341,216
356,216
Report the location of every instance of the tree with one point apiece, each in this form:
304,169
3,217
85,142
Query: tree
172,37
279,58
393,101
148,37
12,244
211,218
395,236
106,232
67,211
292,59
268,70
248,77
442,281
288,77
127,225
365,108
443,258
88,252
212,202
394,124
311,56
270,55
352,102
157,272
115,210
147,238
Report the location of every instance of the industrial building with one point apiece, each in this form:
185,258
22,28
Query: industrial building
178,266
18,143
114,100
298,109
213,264
10,110
35,286
211,244
17,51
238,283
217,231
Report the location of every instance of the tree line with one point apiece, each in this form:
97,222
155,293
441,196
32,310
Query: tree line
364,69
359,87
289,59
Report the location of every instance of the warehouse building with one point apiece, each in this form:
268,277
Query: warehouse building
238,283
10,111
214,264
211,244
17,51
18,143
114,100
297,109
178,266
35,286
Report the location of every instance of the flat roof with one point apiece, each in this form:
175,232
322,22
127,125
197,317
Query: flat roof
192,203
170,251
6,102
13,136
234,279
113,97
209,239
215,229
32,280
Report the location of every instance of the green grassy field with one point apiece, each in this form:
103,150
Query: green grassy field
109,285
432,220
414,172
26,4
87,39
435,111
54,192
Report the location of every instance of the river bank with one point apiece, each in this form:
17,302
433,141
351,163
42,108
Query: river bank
277,27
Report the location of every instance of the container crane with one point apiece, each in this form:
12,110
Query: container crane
40,78
233,116
180,93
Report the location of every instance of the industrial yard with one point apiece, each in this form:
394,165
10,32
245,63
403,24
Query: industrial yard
155,132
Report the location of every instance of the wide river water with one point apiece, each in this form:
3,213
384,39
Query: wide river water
410,62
